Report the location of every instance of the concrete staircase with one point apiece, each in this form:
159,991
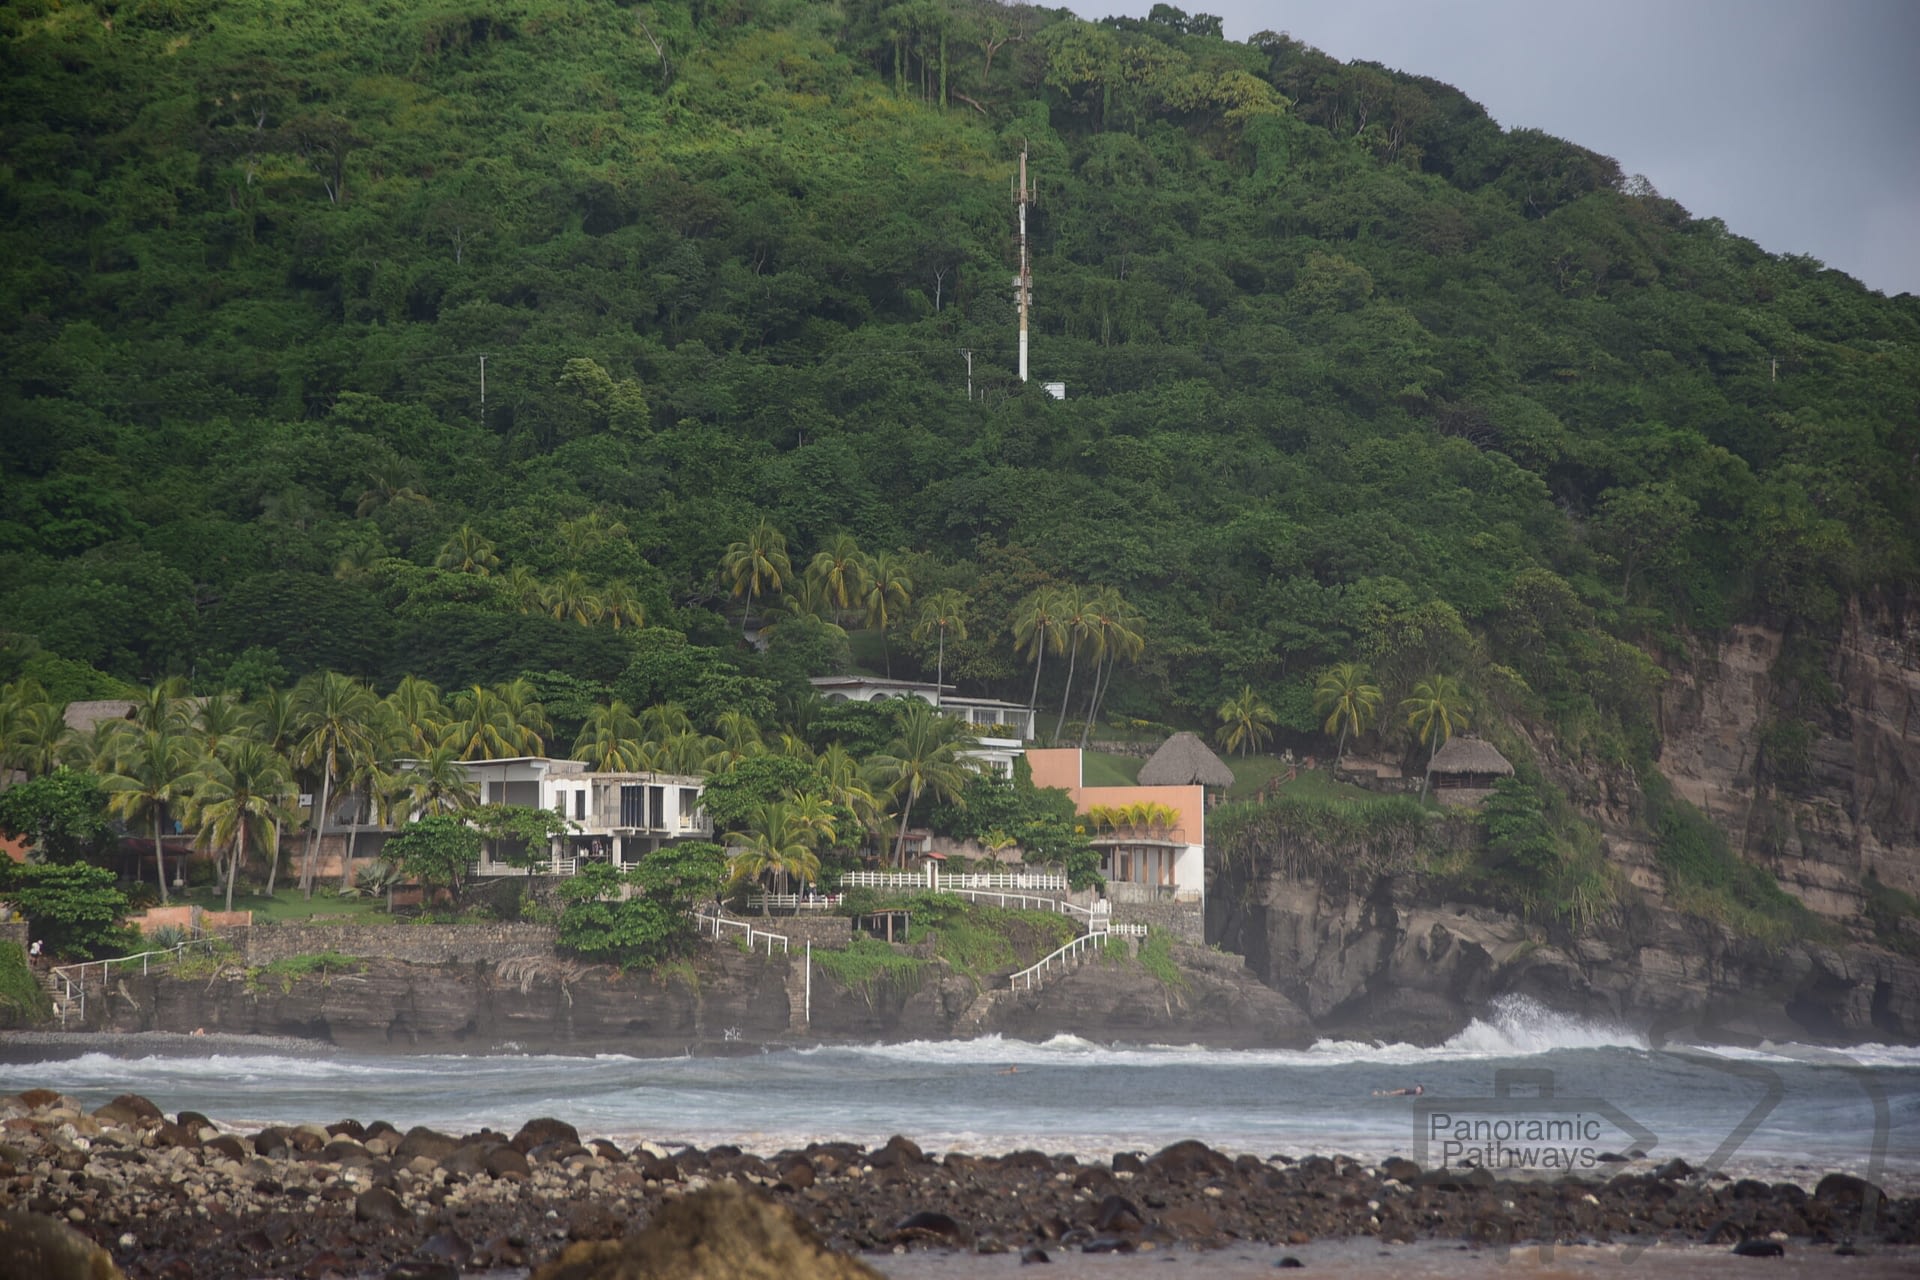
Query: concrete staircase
56,992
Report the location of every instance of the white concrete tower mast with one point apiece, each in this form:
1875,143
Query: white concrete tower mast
1023,283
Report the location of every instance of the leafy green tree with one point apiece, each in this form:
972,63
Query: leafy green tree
1348,701
643,916
73,908
438,850
62,815
1246,721
731,796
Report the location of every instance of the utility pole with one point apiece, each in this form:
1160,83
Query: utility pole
1023,283
968,353
483,388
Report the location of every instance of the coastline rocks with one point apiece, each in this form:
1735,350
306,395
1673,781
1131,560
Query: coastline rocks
180,1200
721,1233
32,1244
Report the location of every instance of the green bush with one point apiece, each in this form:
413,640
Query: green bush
868,963
22,1000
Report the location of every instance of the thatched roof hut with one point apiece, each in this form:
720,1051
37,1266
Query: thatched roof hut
1183,761
82,716
1468,762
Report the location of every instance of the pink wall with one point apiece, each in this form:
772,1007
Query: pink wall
1055,767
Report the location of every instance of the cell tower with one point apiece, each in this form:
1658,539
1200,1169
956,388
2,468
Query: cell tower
1023,283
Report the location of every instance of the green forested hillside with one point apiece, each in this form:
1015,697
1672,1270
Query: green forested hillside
1353,374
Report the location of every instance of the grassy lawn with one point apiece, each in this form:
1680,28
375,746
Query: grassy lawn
287,906
1250,773
1097,769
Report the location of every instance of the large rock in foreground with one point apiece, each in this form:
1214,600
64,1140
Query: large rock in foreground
721,1233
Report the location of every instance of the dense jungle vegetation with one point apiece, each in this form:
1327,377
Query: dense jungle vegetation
1354,375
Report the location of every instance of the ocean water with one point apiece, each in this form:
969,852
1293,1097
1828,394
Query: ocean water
1525,1089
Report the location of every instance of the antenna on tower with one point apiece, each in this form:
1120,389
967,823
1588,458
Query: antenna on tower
1023,283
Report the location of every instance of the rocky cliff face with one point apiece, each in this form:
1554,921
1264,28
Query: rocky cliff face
1853,805
1398,960
725,1000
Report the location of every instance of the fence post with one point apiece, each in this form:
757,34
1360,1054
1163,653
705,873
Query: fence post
808,1007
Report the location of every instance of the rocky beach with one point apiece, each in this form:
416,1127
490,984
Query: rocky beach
179,1197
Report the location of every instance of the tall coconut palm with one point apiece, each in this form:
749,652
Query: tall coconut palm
1436,710
217,719
737,737
155,771
1122,640
889,590
276,723
610,740
532,727
467,550
841,570
524,590
1349,702
1246,722
245,788
925,757
369,777
1036,629
336,718
943,613
1074,608
756,564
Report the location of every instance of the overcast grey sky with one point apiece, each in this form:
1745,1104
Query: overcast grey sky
1797,122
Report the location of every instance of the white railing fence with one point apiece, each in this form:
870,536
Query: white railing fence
73,977
754,936
935,879
1063,959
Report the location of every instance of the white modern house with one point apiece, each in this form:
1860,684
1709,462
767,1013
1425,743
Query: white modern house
612,817
1002,728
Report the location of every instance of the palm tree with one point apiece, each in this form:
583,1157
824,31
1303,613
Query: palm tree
219,718
926,756
738,737
889,588
531,725
1120,640
1077,620
420,711
276,725
1436,708
755,564
610,740
437,783
467,550
33,730
942,612
155,769
841,570
359,560
390,487
246,786
1246,722
621,606
524,590
1348,701
1036,629
773,841
482,727
570,597
164,707
336,718
368,778
809,601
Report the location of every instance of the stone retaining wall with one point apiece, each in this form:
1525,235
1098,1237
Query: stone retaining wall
413,943
13,932
1184,920
822,931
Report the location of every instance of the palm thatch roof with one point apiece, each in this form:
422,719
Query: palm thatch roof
82,716
1182,761
1469,755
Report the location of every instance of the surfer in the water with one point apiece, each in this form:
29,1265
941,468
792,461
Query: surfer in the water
1413,1092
